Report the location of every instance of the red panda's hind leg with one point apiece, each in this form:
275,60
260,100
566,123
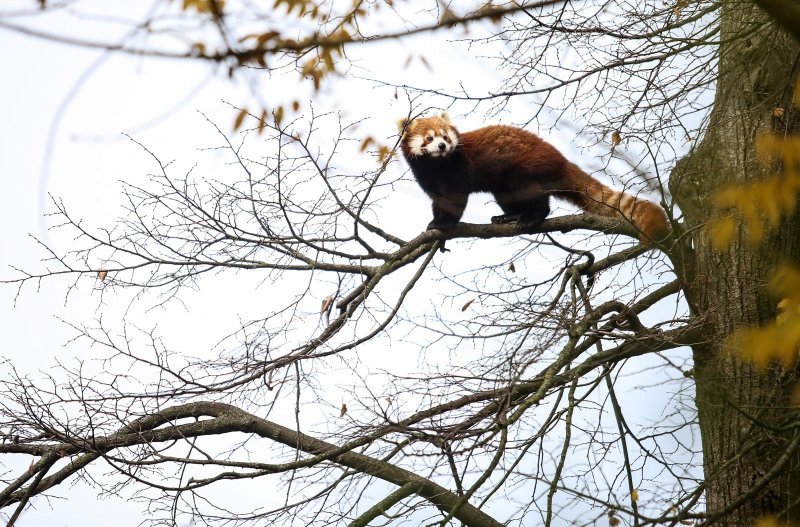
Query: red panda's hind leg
528,213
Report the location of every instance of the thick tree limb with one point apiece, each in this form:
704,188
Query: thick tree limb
226,419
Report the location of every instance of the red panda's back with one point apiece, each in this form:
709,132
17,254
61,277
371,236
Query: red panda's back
498,155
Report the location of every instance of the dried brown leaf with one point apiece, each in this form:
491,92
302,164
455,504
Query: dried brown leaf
239,119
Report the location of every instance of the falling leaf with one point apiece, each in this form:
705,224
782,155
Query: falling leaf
239,119
466,306
296,105
616,138
512,268
343,410
101,274
262,121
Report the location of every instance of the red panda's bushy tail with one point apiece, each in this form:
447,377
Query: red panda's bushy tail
596,198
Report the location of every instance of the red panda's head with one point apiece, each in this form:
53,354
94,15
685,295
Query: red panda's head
429,136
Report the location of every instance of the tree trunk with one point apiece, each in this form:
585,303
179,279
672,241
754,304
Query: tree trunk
742,413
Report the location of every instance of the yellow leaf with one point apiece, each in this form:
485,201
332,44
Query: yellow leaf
777,112
327,59
616,138
796,97
635,495
755,231
728,196
722,231
384,153
262,121
239,119
365,143
308,67
786,281
278,114
101,274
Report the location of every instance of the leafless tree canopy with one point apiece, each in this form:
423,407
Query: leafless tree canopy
495,379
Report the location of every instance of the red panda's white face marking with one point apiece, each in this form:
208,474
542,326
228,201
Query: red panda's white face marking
430,136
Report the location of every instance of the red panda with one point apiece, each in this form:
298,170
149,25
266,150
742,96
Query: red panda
520,169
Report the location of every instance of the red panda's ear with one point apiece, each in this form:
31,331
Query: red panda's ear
444,117
403,123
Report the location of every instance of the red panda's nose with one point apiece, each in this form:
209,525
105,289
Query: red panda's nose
442,147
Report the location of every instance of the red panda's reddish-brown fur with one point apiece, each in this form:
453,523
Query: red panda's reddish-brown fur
520,169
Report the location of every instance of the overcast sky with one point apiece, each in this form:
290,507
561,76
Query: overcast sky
65,112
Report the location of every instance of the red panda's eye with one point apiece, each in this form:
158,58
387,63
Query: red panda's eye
429,138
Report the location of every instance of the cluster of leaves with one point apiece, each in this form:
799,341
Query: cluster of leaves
772,522
778,340
761,205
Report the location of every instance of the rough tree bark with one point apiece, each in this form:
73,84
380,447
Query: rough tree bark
752,463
